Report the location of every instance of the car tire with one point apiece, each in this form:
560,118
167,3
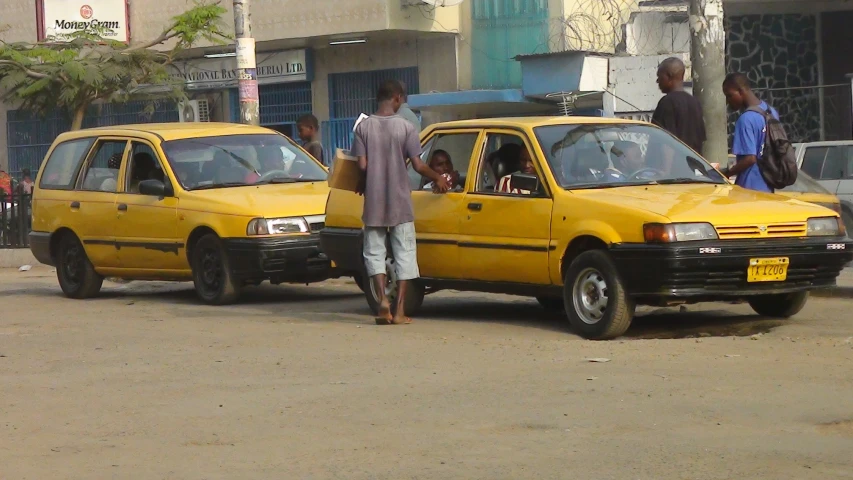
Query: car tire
552,304
414,294
214,282
783,305
359,281
595,298
76,274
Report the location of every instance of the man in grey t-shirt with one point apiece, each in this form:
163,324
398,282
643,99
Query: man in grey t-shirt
383,142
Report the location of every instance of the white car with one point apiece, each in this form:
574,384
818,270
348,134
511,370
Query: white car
831,164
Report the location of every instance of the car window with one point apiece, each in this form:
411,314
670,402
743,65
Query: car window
60,170
501,157
451,151
813,161
102,170
415,178
612,155
237,160
833,166
143,164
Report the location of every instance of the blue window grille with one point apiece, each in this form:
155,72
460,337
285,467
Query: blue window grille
501,30
354,93
30,136
284,102
336,134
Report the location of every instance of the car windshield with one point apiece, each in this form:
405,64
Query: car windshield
616,155
239,160
806,184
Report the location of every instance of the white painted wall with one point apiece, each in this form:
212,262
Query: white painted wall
633,80
650,34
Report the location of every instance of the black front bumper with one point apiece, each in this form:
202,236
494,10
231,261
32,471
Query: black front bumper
280,260
344,247
714,269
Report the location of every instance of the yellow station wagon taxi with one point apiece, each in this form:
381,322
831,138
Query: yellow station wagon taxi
612,214
222,205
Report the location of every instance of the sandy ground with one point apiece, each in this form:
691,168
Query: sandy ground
144,383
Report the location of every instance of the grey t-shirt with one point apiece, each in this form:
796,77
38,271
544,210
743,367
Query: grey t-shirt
315,148
387,142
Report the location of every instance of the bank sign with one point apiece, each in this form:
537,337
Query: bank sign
62,17
272,67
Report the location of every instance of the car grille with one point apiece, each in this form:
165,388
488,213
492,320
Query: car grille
727,232
803,276
317,226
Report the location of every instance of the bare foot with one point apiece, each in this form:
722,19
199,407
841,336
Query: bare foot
384,317
401,320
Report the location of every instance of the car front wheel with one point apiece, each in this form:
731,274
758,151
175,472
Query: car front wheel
783,305
414,293
77,277
596,302
212,277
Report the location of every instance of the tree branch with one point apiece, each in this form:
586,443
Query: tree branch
164,37
30,73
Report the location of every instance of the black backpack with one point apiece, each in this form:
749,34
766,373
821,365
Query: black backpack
778,162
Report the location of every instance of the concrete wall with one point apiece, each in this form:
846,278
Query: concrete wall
632,79
650,34
436,59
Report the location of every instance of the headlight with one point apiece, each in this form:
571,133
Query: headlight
678,232
277,226
824,227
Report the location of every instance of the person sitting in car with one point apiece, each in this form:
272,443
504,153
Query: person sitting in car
628,161
272,159
440,162
525,165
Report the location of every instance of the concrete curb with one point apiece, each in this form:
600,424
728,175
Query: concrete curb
16,257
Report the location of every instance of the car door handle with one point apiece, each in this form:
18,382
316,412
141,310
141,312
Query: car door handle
475,206
75,205
122,207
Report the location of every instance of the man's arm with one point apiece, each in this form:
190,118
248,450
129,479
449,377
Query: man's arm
744,146
423,169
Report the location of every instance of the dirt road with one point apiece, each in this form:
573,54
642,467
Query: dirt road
144,383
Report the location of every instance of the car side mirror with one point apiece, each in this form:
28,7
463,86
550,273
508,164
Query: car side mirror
155,188
525,181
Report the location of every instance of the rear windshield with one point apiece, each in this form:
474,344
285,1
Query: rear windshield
238,160
61,168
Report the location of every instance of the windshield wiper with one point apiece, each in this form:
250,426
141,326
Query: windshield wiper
675,181
590,186
220,185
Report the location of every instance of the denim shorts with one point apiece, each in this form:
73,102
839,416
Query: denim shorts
403,246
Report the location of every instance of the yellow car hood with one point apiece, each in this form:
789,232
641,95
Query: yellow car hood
716,204
270,201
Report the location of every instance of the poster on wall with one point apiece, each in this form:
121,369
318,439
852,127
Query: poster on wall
57,18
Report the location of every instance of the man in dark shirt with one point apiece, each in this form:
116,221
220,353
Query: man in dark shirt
678,112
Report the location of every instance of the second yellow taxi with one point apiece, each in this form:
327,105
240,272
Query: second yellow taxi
593,217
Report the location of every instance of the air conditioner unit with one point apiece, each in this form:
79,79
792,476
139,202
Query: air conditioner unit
194,111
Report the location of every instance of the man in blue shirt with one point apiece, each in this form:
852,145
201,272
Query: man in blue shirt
750,130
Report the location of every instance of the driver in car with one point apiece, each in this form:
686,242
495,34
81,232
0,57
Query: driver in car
272,160
628,162
525,164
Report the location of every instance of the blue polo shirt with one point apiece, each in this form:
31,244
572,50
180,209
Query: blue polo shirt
750,130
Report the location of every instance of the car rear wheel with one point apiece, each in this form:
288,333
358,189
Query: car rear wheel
212,277
783,305
595,299
414,293
77,277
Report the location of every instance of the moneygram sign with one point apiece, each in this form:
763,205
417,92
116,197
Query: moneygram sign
62,17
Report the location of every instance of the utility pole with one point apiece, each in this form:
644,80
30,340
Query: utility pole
247,73
708,56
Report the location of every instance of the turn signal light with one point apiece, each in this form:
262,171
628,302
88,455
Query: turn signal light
658,233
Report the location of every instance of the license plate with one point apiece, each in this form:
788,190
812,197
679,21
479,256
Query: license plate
767,269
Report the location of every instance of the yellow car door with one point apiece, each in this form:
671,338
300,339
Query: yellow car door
95,201
147,234
436,215
505,237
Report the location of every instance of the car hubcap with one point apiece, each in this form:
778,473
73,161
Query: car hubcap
590,296
390,282
73,264
211,270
